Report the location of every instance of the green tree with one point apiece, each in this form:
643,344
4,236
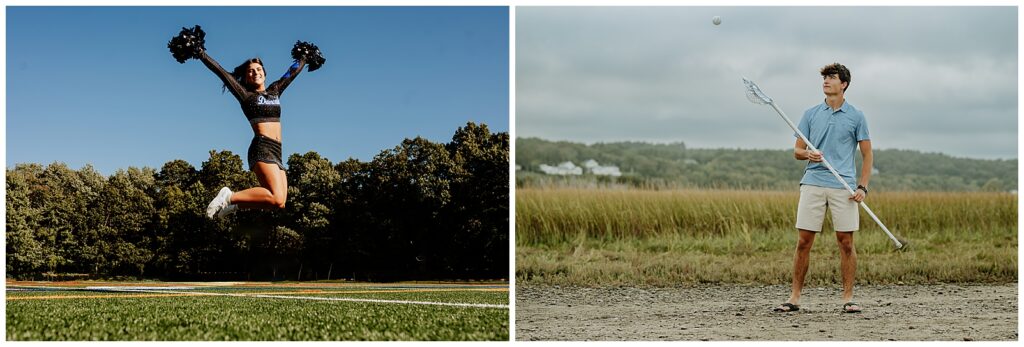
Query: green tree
224,245
25,252
179,220
479,216
64,199
408,186
992,185
676,166
127,211
90,184
224,169
419,210
312,189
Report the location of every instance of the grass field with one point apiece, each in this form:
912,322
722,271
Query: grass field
316,311
674,238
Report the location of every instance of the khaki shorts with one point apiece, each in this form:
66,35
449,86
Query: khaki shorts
810,214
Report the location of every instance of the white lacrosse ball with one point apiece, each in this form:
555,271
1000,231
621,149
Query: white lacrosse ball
716,20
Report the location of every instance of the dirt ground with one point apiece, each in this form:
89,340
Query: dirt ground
737,312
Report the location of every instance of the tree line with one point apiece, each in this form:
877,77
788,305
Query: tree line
648,165
421,210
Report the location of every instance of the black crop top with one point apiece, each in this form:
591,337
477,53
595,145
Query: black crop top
258,107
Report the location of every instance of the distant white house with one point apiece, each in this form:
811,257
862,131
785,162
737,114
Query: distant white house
599,170
689,161
592,166
518,167
566,168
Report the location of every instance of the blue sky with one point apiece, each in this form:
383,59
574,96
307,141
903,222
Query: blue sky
98,85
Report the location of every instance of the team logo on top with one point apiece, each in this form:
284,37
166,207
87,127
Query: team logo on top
269,100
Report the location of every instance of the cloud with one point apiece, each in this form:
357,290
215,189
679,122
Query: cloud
922,75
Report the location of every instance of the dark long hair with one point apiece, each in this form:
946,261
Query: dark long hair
242,69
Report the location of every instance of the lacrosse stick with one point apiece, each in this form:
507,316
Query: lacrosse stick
755,95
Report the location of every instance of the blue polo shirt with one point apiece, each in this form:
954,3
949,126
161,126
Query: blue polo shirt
836,134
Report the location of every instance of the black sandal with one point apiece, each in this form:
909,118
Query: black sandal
847,309
787,307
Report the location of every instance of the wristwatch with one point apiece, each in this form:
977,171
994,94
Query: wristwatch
865,189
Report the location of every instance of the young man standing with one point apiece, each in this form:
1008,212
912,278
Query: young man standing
836,128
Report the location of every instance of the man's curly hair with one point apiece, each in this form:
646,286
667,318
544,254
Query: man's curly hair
837,69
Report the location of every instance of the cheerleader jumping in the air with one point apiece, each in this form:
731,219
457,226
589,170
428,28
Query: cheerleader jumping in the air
261,105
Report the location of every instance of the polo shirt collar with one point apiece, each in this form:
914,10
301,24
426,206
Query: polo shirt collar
844,108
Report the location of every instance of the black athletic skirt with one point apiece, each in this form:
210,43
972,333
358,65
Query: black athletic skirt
266,150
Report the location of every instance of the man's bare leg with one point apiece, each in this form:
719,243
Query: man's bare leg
847,265
800,263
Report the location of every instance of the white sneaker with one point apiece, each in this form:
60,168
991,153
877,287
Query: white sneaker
222,200
227,210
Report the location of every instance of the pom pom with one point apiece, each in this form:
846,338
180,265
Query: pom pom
188,44
309,53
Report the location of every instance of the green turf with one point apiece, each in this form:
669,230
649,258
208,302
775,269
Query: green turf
220,318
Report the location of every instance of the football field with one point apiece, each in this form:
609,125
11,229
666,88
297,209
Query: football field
248,311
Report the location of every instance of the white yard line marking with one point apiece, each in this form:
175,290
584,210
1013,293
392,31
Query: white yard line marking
191,293
115,288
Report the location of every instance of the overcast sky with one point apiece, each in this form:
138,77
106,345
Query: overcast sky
934,79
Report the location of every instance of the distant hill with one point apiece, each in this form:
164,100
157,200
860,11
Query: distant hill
675,166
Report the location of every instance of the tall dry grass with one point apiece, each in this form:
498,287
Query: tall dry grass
558,215
629,237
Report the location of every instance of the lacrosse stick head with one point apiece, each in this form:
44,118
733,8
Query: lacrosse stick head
903,244
754,93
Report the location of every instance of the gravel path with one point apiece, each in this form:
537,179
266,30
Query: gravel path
737,312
